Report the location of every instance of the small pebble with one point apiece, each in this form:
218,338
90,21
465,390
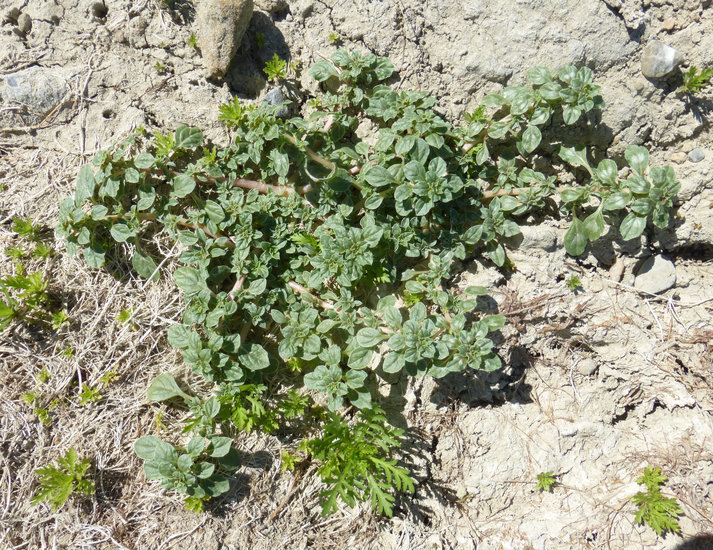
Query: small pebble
587,367
697,155
275,96
616,271
668,24
678,157
659,59
657,274
24,23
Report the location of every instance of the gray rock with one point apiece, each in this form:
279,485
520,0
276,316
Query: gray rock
275,96
697,155
24,24
12,14
38,88
538,237
221,26
272,6
659,59
657,274
587,367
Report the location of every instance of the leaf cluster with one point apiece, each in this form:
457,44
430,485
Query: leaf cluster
276,68
24,295
58,482
658,512
199,469
694,81
354,465
546,481
316,266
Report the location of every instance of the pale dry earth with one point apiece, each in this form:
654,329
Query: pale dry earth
597,384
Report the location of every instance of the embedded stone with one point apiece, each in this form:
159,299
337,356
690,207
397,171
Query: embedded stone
221,26
657,274
659,59
697,155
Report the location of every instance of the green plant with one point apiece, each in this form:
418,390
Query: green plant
317,266
198,469
259,39
694,82
160,68
574,283
655,510
276,68
58,482
334,38
353,463
546,481
193,42
24,296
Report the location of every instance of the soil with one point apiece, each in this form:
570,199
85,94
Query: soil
597,384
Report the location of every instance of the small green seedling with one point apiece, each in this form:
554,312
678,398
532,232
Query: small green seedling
193,41
334,38
57,483
160,69
656,511
694,82
260,39
546,482
276,68
574,284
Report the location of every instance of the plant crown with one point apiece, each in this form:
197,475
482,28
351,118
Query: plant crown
57,483
315,261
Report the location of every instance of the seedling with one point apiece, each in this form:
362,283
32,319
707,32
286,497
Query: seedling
260,39
288,230
694,82
276,68
334,38
546,481
193,41
574,284
656,511
59,482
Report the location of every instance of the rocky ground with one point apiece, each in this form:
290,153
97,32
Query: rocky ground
599,382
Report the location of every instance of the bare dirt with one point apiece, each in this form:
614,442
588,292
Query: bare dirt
597,383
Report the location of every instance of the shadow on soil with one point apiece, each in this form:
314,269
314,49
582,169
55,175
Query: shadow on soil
701,542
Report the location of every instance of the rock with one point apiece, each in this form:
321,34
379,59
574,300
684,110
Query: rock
275,96
657,274
24,24
38,88
538,237
587,367
272,6
697,155
11,15
678,157
668,24
221,26
616,271
659,59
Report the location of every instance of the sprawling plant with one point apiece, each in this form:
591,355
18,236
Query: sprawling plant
316,266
